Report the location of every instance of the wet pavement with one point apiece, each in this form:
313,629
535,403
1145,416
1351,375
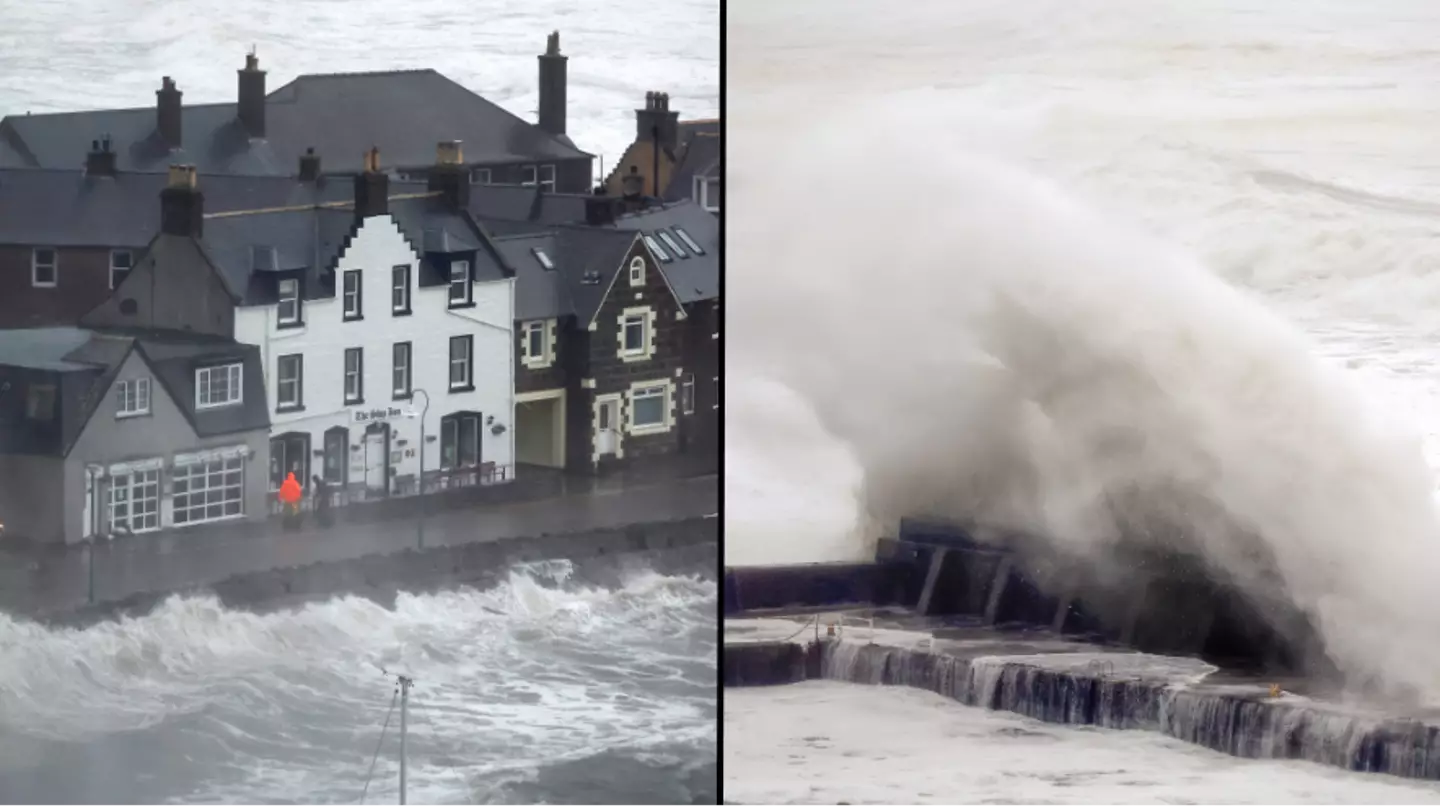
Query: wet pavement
57,583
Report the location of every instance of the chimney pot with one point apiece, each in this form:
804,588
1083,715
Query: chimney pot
449,176
553,84
372,188
448,153
251,97
181,203
101,161
167,113
309,165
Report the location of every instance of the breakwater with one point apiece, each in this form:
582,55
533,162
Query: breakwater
1069,681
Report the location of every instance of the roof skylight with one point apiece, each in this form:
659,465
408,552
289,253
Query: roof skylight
543,259
672,244
656,249
691,243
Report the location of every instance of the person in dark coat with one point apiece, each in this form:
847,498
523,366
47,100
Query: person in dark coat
322,500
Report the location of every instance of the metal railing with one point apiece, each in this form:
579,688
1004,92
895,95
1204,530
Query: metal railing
403,486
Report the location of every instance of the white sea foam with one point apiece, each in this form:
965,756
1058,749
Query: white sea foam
1039,275
823,742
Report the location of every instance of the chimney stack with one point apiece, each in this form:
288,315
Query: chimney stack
600,208
182,206
167,113
101,160
552,86
372,188
656,122
449,175
309,166
251,110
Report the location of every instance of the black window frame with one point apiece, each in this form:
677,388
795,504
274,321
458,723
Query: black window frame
451,431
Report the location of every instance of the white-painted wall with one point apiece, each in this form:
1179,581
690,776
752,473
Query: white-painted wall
376,248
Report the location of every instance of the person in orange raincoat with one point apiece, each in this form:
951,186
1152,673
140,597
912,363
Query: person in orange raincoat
290,495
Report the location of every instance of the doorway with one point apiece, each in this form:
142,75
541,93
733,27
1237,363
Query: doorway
377,458
607,425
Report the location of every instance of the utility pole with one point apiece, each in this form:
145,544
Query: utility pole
405,684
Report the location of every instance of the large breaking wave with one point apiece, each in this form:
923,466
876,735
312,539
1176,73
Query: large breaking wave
990,349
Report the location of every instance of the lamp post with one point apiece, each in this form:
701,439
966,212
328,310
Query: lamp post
420,479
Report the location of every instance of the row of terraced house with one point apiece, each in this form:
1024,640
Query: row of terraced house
378,281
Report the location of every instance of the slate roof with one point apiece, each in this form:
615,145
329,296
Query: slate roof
45,349
64,208
95,358
249,248
597,252
539,293
174,359
700,158
405,113
693,277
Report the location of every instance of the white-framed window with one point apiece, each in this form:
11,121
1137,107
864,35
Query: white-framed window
290,382
217,386
354,376
288,308
350,295
649,410
207,491
656,249
44,267
635,338
462,361
132,397
480,175
400,289
547,177
689,242
528,175
400,374
459,441
121,262
637,271
673,245
535,336
687,394
707,193
135,501
459,283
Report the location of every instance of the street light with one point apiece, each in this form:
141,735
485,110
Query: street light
420,479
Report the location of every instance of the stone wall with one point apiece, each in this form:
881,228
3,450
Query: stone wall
601,556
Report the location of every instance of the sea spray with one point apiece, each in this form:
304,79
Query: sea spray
988,348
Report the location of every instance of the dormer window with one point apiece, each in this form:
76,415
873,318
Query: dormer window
459,283
218,386
121,261
527,175
547,178
480,176
288,311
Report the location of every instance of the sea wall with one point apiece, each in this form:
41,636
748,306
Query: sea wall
601,556
1240,721
1243,721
